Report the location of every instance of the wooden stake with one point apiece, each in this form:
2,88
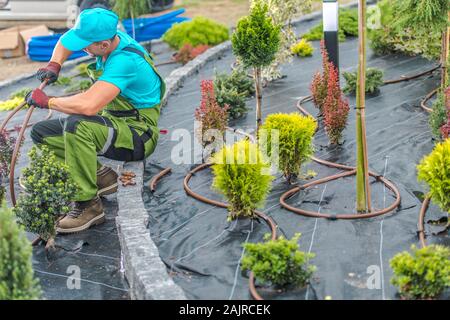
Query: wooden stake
258,89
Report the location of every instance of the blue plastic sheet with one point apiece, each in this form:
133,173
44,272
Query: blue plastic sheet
41,48
153,28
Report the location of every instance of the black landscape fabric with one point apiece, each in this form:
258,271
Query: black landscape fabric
202,250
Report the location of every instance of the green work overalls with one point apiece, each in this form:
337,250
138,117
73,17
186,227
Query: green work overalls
119,132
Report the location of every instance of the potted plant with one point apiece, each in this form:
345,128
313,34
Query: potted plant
212,118
423,273
49,190
278,263
295,141
17,280
434,170
242,176
256,42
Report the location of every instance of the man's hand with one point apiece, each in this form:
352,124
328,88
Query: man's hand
49,73
37,98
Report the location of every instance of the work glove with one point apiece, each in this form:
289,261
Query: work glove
49,73
37,98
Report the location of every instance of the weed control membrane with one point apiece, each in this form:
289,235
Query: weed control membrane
202,250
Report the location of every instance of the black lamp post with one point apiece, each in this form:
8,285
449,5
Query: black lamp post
331,30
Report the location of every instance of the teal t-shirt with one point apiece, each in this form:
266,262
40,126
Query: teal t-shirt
131,73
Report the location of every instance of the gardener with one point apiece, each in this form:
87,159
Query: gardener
116,118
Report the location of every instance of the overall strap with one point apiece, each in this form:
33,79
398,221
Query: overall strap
137,51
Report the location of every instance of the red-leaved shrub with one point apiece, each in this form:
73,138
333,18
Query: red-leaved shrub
210,114
335,108
319,83
188,53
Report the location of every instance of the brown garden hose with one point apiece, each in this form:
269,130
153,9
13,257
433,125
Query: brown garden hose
268,220
154,181
349,172
427,98
407,78
18,144
421,226
11,114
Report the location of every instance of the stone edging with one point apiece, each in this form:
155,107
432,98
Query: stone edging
146,273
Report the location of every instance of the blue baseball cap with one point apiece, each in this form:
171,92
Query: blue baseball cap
92,25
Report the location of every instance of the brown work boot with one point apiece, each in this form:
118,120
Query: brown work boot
83,215
106,181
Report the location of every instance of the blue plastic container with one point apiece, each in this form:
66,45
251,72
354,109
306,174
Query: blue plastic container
41,48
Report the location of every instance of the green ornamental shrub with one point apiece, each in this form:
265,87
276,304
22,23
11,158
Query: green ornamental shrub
434,170
256,39
422,274
278,262
7,143
63,81
295,134
283,13
17,281
438,117
82,70
126,9
348,26
238,79
241,175
49,192
374,79
81,85
232,90
256,42
389,36
196,32
423,14
303,49
21,93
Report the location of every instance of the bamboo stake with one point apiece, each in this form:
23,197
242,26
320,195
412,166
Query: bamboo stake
362,175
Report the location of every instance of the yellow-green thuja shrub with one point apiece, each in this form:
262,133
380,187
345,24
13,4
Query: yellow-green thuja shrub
423,273
295,141
434,170
242,175
17,281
